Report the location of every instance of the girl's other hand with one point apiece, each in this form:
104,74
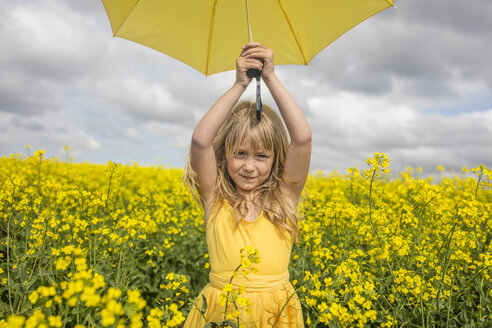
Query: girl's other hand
243,64
258,51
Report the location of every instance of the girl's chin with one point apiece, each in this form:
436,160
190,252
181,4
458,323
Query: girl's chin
245,190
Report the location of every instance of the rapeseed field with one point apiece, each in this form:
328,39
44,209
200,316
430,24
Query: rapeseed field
86,245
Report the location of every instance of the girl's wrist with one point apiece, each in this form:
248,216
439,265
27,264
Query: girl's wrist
269,78
239,86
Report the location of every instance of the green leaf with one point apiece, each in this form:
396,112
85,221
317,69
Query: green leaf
129,309
4,307
231,323
203,310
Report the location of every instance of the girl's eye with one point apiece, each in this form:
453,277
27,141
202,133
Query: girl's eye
240,153
263,156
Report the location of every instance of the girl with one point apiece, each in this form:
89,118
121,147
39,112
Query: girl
249,179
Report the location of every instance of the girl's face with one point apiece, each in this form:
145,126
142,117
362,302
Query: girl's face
249,168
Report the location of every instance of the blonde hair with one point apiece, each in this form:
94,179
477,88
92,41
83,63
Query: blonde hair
269,134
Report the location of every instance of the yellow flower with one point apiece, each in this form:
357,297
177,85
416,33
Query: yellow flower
107,318
98,281
39,153
243,301
55,321
222,299
114,307
136,321
135,298
227,288
72,301
114,293
33,297
15,321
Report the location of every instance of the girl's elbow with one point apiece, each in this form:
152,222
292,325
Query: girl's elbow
198,141
304,138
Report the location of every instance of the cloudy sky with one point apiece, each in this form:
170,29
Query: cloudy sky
414,82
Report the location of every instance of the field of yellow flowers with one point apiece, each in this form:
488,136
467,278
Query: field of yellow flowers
86,245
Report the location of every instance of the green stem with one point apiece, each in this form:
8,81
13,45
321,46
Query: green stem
422,286
478,182
448,255
370,210
352,187
283,307
470,281
118,272
420,218
336,227
8,265
8,248
109,185
118,191
372,223
39,175
227,300
449,307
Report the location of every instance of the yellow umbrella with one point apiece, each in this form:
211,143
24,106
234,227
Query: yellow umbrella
208,34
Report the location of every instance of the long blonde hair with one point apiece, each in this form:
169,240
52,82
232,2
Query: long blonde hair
270,134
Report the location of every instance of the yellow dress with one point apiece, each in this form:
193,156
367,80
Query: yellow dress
268,290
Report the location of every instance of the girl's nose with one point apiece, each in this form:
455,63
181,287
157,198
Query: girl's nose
249,165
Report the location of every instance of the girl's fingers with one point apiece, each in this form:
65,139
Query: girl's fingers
263,54
252,45
251,51
246,63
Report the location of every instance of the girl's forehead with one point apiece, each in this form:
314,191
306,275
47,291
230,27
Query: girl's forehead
253,142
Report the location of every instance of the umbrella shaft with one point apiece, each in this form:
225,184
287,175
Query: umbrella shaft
249,23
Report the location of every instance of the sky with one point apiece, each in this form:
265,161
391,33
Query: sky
414,82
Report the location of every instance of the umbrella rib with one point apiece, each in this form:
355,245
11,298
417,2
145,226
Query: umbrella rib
292,31
124,20
209,46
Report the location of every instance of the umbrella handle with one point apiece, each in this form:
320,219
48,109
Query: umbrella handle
254,73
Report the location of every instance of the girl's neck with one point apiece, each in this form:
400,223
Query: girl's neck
253,211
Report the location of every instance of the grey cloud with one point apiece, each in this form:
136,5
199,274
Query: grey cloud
20,94
459,16
399,53
142,101
404,82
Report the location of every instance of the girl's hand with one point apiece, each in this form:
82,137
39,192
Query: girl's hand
243,64
258,51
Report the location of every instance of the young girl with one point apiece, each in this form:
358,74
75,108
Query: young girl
249,179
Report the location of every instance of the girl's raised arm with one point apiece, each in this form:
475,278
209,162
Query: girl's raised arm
298,158
201,150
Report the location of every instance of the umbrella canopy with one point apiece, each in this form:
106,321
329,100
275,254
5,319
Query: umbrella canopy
208,34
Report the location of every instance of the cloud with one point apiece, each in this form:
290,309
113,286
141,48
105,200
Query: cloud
350,124
415,57
414,82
